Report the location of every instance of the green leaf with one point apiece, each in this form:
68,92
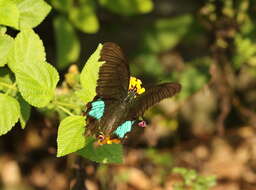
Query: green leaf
83,95
32,12
128,8
36,79
62,5
25,110
3,30
245,50
37,83
6,43
108,153
71,135
6,79
28,49
90,73
68,47
84,17
165,33
199,78
9,13
9,113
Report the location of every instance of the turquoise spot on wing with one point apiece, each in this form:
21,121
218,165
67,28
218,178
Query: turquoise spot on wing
123,129
97,109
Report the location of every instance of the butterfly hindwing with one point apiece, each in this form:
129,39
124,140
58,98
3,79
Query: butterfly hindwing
152,96
123,129
114,74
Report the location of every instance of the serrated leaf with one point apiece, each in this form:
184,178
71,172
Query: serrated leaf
83,95
32,12
165,33
25,110
68,47
37,83
108,153
84,17
9,13
6,43
9,113
90,73
128,8
28,49
71,135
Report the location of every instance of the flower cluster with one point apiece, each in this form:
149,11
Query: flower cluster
135,85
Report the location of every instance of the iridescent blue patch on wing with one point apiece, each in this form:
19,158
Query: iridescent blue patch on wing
123,129
97,109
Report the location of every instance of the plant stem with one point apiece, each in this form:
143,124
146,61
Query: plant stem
10,87
65,104
65,110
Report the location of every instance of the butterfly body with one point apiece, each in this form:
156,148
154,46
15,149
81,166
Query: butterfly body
114,118
120,99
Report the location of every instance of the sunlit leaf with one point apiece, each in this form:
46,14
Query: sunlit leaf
128,8
9,113
6,43
90,73
71,135
37,83
32,12
109,153
9,13
28,49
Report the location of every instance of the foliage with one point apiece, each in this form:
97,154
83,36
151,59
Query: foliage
107,153
27,79
193,181
81,14
36,80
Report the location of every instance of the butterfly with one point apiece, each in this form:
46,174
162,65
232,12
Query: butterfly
120,99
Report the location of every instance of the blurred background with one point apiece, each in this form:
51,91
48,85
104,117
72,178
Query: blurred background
208,130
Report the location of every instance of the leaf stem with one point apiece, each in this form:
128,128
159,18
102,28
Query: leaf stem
10,87
65,110
65,104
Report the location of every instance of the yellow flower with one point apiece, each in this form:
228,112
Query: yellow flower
135,85
140,91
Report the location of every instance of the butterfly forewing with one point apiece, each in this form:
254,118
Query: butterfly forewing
152,96
114,74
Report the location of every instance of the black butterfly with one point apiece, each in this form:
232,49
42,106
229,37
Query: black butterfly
115,109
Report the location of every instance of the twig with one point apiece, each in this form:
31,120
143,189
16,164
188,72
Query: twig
80,175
